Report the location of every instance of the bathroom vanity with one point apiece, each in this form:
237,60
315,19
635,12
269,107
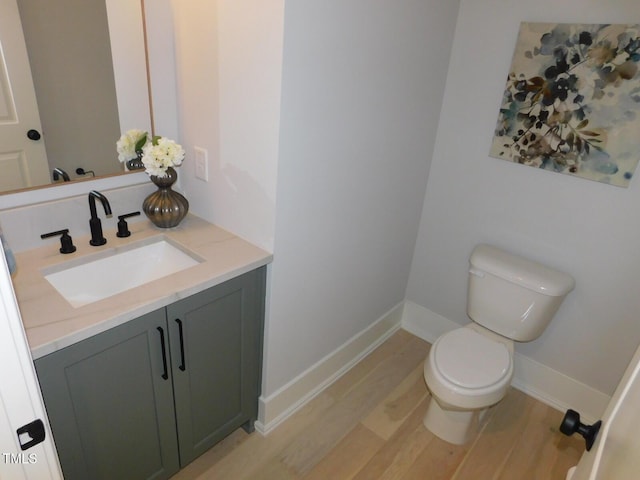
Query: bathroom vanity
140,383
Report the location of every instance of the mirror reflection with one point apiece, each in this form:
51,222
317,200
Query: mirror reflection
73,76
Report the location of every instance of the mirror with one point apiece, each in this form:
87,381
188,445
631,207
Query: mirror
89,72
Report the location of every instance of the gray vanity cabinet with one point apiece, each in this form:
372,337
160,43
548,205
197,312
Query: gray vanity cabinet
216,358
145,398
111,411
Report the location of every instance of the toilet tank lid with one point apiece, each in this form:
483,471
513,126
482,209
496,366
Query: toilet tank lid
521,271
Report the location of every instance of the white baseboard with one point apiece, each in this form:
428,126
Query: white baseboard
424,323
283,403
535,379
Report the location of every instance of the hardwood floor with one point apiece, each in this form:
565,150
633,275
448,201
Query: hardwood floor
368,425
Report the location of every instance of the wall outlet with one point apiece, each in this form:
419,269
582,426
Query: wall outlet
202,163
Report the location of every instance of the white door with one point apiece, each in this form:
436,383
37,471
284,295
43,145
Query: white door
23,161
616,451
20,399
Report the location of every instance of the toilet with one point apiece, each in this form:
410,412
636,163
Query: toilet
469,369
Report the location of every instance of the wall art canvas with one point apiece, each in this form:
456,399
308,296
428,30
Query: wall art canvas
572,101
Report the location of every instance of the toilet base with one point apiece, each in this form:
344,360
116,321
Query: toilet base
453,426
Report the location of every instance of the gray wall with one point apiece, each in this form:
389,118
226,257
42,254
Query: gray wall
361,92
70,56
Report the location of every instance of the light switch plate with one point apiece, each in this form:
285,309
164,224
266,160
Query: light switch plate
202,163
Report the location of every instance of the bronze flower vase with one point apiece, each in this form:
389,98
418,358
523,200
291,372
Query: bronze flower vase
164,207
136,163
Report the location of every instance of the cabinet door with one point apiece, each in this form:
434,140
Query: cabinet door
216,351
110,408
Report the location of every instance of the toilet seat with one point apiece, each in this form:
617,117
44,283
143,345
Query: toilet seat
469,360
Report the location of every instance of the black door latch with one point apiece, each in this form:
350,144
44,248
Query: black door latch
31,434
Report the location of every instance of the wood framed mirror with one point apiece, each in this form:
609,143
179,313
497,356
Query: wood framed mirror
82,67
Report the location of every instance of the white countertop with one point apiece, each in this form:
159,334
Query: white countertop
51,323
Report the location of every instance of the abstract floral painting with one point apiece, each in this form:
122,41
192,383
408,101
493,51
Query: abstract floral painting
572,101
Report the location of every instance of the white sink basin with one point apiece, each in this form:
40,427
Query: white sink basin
118,270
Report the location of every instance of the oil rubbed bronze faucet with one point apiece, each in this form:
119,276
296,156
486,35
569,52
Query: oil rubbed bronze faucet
95,224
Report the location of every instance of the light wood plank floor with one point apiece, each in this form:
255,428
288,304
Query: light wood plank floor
368,425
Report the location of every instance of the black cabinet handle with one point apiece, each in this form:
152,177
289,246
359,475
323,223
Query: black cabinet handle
182,365
165,375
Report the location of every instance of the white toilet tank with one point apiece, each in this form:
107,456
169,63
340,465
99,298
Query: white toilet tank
513,296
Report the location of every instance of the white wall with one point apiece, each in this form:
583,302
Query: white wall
361,92
162,67
585,228
126,34
229,59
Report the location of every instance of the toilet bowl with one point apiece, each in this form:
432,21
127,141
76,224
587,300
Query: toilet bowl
469,369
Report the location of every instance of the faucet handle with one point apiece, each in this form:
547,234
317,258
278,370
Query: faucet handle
123,228
66,242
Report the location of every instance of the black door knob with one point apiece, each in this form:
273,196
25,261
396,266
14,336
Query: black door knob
571,424
33,135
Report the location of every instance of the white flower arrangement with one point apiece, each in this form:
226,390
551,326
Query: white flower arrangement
130,144
160,154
